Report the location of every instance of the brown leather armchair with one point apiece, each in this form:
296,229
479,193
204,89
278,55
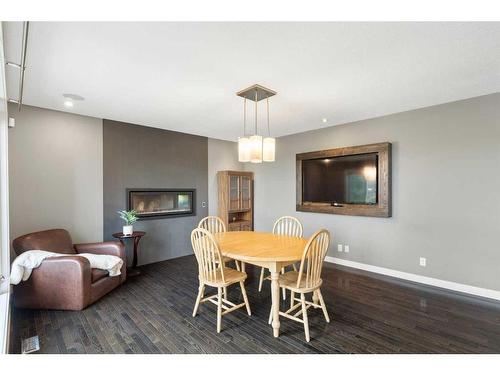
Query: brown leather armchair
66,282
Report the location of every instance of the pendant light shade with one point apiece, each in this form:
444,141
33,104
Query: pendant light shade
256,149
243,149
269,149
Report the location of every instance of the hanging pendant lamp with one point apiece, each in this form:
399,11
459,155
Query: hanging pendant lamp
255,149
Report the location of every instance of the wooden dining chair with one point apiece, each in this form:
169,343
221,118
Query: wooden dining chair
214,224
307,280
212,272
286,226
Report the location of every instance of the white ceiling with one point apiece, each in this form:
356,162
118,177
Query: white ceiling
184,76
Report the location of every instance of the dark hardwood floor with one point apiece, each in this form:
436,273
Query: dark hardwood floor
369,314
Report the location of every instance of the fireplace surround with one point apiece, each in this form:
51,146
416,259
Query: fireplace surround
161,203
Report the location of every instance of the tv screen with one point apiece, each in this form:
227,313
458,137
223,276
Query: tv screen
348,179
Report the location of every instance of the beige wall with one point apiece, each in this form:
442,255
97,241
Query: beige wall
56,179
222,155
446,191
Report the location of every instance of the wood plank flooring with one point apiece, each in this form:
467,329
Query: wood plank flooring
369,314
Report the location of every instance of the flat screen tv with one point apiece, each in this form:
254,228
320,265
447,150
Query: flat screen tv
338,180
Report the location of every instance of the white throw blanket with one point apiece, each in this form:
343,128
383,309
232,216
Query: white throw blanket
24,264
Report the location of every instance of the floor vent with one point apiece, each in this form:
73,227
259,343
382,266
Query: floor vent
30,345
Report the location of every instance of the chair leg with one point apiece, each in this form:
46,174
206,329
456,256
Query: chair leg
323,306
219,308
270,316
315,298
245,298
261,279
294,267
237,265
304,316
225,292
198,298
292,298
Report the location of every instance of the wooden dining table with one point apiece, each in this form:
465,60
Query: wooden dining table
267,250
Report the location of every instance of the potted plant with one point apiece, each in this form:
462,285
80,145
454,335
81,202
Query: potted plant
129,217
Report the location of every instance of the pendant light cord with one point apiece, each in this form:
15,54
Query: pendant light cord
255,112
245,117
268,126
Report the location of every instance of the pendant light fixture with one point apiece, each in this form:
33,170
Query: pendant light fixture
254,149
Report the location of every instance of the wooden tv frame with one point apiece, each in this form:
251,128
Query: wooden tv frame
381,209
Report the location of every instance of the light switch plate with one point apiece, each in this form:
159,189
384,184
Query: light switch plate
423,261
339,247
346,248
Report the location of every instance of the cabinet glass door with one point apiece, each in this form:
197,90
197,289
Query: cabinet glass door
234,192
246,193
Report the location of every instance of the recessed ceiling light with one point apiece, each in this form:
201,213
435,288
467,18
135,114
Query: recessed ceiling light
70,99
74,97
325,120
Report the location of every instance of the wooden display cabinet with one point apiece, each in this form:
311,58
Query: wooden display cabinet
236,199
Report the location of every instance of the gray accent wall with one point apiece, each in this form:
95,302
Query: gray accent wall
446,191
55,173
142,157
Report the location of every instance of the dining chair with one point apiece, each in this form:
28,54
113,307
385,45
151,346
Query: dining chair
214,224
306,280
213,272
286,226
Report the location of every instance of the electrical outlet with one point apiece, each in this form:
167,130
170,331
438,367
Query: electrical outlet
346,248
339,247
423,261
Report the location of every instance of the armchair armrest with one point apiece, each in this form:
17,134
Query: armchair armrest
108,248
105,248
59,283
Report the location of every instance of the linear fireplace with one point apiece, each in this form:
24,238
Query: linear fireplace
161,203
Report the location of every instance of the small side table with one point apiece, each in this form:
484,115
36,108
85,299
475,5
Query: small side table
137,235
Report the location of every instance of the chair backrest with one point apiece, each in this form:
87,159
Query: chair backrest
313,257
207,254
55,240
288,226
213,224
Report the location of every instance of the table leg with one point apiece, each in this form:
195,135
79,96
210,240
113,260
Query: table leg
136,244
275,295
133,271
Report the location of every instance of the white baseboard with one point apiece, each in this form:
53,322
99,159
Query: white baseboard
468,289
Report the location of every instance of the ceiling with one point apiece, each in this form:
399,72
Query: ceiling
184,76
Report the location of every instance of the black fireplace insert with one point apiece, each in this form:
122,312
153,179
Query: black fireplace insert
161,203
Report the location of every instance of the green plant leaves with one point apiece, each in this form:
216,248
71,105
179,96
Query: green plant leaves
129,217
